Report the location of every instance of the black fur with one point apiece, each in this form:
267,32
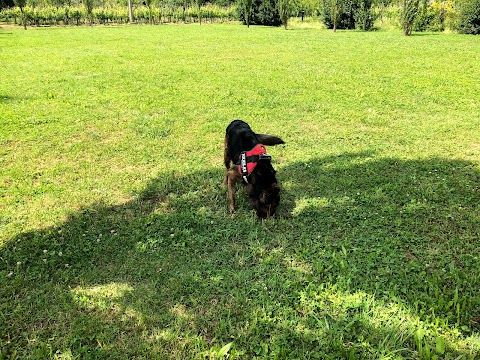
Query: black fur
262,189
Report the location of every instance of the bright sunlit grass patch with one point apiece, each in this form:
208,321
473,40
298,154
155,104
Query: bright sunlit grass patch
302,205
97,295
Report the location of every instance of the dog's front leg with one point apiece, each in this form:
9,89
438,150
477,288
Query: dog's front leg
233,177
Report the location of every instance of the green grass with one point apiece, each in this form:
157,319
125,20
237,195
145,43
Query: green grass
114,237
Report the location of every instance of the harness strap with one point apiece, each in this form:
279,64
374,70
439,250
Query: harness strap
248,160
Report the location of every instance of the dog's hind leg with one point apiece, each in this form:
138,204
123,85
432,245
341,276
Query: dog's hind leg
226,158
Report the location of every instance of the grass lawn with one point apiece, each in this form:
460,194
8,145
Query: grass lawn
114,237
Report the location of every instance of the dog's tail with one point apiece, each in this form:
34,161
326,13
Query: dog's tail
269,139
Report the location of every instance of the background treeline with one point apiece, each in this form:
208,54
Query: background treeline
410,15
67,12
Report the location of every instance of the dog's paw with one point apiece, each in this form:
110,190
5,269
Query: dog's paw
230,210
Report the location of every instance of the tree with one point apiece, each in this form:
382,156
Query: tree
199,5
335,12
148,3
382,5
130,11
284,9
248,11
6,3
408,15
308,7
21,4
89,7
469,17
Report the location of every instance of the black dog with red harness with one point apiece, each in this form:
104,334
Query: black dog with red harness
252,166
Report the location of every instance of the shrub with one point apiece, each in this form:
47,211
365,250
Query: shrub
424,18
77,14
469,17
444,15
346,13
434,16
11,14
263,12
364,16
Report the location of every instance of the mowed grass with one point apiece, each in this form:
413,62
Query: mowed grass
114,237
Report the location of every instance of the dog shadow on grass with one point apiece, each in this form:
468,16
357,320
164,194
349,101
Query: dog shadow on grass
365,252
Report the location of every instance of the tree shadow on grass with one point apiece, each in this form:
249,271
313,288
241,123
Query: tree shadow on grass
423,211
405,231
361,244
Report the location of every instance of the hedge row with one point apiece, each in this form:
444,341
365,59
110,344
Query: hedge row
78,15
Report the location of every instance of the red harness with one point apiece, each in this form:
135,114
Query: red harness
248,160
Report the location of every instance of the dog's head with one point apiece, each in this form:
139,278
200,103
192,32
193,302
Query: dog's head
268,202
263,191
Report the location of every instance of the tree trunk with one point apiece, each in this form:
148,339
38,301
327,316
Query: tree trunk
130,11
24,21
